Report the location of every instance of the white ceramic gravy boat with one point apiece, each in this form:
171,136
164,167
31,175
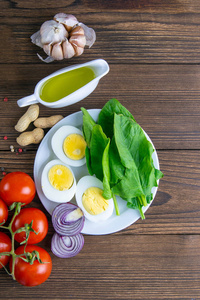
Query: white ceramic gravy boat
100,68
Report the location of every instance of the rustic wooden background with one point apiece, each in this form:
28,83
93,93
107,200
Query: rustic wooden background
153,49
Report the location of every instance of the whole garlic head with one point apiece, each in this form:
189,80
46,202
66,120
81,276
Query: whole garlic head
63,37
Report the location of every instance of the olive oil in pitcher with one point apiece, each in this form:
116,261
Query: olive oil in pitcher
66,83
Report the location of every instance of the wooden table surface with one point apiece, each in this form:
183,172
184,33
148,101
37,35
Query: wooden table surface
153,50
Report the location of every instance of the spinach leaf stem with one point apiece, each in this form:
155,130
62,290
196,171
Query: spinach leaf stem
116,205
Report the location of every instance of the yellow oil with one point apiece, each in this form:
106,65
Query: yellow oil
66,83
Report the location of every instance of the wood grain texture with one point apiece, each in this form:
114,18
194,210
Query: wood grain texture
164,100
137,267
134,32
153,49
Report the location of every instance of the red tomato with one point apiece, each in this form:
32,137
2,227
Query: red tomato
35,274
5,246
3,212
17,187
40,225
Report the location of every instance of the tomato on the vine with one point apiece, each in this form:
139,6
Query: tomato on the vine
3,212
5,246
40,225
32,274
17,187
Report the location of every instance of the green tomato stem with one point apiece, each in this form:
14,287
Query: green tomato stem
12,252
4,227
4,253
29,257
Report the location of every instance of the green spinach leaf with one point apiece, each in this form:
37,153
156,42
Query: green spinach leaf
88,124
107,194
106,115
120,155
98,144
117,170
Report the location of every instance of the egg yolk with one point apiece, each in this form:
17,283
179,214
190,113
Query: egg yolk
93,201
60,177
74,146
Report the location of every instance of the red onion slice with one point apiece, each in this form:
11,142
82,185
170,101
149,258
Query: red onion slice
66,246
67,219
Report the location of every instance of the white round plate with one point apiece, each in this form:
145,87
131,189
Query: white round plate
45,154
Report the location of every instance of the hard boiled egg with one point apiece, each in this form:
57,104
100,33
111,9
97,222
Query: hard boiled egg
58,181
69,145
89,198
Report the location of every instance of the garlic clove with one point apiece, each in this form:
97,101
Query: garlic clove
57,52
68,49
68,20
89,34
78,40
52,32
36,39
77,30
47,49
78,50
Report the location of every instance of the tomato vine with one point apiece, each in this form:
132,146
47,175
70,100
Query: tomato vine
28,257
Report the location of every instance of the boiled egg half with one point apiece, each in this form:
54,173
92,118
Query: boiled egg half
58,181
69,145
90,199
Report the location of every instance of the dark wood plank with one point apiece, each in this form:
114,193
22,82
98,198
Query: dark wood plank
120,267
138,31
164,100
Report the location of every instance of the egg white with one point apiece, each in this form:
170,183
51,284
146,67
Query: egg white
85,183
57,145
49,191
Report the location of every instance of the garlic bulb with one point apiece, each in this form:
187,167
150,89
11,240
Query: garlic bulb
63,37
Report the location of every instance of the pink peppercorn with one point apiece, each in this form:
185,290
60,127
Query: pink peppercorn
5,99
5,137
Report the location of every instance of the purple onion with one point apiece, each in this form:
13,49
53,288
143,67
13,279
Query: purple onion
67,219
67,246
